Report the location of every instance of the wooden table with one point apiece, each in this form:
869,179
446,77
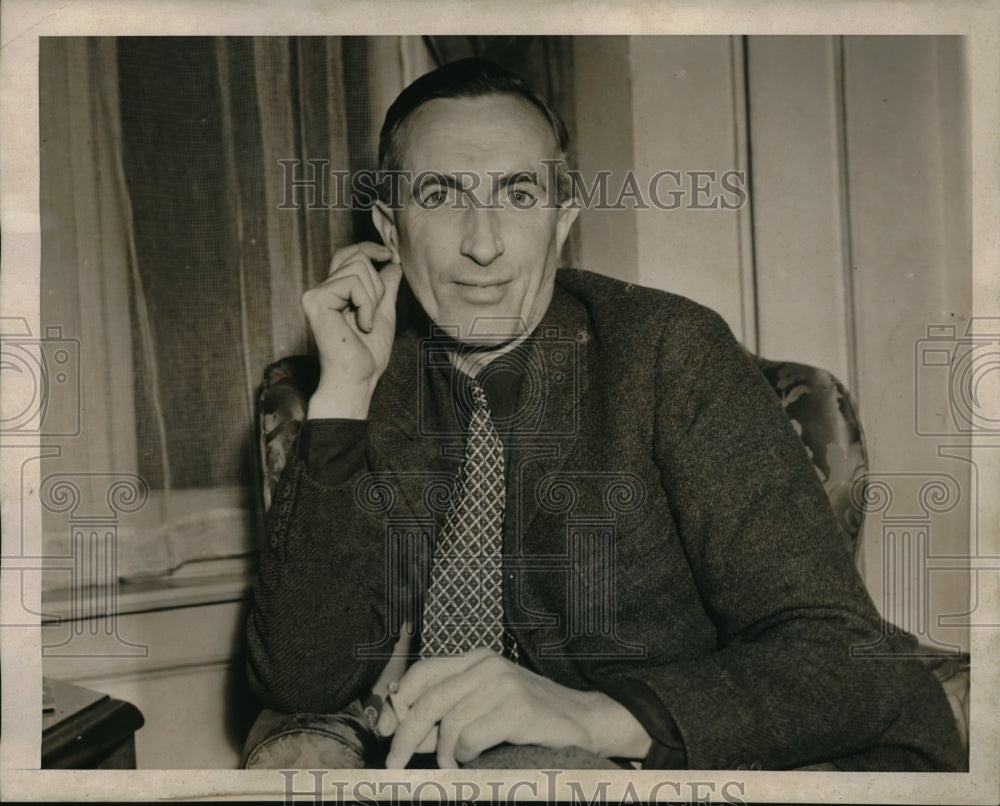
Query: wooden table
87,730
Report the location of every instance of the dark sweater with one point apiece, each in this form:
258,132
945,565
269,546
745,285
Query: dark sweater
666,540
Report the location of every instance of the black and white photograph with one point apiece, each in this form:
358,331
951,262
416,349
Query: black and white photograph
545,411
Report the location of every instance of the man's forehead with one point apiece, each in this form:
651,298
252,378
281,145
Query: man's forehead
471,133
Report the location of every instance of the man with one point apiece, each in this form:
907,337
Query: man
674,587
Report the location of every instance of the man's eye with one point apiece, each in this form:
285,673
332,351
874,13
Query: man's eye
434,197
522,197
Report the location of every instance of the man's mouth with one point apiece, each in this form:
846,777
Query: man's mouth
482,291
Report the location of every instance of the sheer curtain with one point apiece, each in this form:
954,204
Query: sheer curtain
176,252
222,255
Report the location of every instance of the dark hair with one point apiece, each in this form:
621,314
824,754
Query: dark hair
465,78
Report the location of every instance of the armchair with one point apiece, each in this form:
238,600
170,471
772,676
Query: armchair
822,412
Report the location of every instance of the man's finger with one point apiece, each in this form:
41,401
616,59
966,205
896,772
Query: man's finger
405,743
462,717
479,735
430,742
359,272
347,254
387,720
351,289
429,672
418,722
455,680
415,725
363,270
390,277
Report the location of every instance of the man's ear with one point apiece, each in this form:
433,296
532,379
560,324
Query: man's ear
385,222
565,217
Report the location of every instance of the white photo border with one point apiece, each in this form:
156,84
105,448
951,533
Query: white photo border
24,21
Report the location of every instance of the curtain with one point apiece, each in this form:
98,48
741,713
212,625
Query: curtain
177,253
85,264
210,127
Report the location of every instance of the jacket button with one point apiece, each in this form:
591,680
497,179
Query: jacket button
274,542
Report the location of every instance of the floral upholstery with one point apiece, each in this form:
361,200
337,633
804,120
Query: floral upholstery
281,406
823,414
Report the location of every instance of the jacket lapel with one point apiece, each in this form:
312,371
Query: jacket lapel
417,441
406,434
552,407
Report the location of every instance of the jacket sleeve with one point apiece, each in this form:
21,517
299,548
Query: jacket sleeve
785,686
320,590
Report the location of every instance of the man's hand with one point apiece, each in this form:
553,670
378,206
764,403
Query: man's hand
466,705
352,314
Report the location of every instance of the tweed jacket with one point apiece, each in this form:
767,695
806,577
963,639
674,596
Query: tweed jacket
665,537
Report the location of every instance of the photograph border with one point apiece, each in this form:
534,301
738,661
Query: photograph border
21,25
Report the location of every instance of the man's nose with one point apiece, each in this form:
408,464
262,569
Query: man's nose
481,240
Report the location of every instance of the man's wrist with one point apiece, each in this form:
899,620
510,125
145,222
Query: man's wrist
339,401
614,731
666,750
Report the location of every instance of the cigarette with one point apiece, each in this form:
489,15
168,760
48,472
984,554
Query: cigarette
392,688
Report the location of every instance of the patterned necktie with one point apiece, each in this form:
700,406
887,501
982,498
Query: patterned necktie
464,606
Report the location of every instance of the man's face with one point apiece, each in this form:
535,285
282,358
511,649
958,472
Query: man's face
489,273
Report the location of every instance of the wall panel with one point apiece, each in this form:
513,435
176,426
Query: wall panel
803,309
602,84
646,104
687,119
907,174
